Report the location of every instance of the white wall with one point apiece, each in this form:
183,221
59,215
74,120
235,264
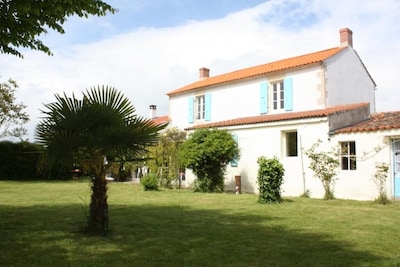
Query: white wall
347,80
259,140
241,99
371,147
256,141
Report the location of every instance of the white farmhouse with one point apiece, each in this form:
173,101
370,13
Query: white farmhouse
280,108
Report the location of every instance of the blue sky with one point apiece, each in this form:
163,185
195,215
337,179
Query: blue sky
152,47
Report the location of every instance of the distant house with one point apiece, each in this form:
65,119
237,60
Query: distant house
282,107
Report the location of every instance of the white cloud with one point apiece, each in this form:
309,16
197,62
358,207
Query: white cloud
146,63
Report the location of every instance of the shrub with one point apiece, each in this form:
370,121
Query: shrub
207,153
270,179
380,177
150,182
325,166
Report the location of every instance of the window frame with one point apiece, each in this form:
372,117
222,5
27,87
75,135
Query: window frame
278,95
348,155
199,107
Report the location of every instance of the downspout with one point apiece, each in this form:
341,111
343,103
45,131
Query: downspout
302,166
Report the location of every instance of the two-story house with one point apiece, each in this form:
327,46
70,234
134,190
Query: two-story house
283,107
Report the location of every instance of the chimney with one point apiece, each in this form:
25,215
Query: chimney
153,111
346,37
204,73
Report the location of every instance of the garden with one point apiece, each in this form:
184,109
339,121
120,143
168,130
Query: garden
41,224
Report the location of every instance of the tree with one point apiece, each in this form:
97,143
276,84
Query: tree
207,152
12,116
164,158
22,22
94,131
325,166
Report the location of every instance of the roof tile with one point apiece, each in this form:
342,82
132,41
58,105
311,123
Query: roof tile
281,117
160,120
279,65
378,121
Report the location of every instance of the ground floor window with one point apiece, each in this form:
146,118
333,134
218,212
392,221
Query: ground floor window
348,155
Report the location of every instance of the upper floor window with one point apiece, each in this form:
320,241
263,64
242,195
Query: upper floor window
200,106
278,95
348,155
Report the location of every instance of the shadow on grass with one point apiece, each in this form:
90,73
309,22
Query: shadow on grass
165,236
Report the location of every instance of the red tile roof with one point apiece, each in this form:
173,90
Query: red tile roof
282,116
161,120
378,121
289,63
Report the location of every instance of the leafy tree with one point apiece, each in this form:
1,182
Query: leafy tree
270,179
164,158
325,166
22,22
94,131
12,116
207,152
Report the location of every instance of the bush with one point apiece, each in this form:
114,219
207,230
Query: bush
325,166
270,179
380,177
150,182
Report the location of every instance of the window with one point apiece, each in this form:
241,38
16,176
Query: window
200,105
291,144
278,95
199,108
348,155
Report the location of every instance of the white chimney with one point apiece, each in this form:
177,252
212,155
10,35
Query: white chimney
346,37
153,111
204,73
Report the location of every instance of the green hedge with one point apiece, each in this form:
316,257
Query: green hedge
18,161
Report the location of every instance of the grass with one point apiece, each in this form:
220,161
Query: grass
40,226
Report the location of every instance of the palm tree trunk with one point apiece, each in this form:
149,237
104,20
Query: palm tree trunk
98,213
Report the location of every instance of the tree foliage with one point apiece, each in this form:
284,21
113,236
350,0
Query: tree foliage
325,166
207,152
22,22
94,132
164,157
270,179
12,116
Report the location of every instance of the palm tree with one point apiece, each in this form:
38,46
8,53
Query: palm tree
98,129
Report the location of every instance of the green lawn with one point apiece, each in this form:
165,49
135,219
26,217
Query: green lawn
40,225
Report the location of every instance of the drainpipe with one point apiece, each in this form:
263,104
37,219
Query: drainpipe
302,166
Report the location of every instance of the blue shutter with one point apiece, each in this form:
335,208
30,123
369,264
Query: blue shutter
207,99
288,92
264,97
190,109
234,162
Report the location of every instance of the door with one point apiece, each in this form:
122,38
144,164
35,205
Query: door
396,153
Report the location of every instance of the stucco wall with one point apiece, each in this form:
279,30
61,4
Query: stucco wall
371,147
241,99
347,80
269,141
